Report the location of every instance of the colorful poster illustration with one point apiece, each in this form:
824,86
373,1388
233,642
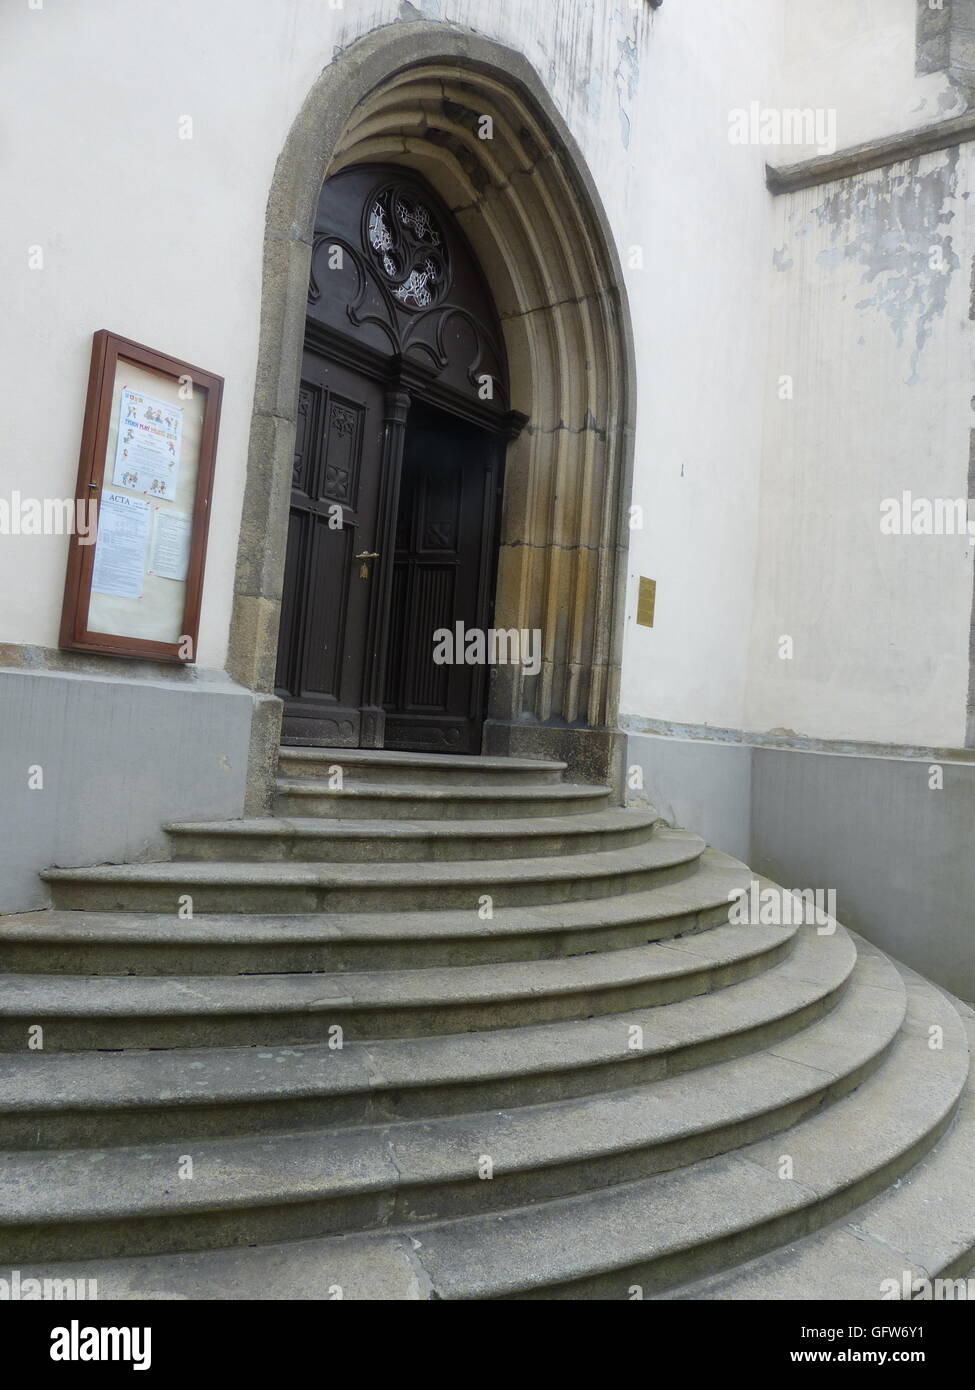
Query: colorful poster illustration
170,551
150,434
120,547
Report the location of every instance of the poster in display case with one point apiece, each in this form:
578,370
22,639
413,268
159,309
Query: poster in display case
135,573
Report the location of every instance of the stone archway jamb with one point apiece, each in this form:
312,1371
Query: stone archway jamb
299,174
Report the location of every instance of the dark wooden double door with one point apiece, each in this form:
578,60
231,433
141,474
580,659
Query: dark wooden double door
392,538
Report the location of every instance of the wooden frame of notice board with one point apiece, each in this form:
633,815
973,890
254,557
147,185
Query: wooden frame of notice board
148,450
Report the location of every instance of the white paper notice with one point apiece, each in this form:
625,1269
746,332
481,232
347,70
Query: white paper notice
120,546
150,435
170,555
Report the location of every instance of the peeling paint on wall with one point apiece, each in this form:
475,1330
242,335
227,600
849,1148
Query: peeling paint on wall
627,76
420,9
594,92
895,227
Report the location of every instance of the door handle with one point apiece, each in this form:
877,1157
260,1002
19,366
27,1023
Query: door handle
365,556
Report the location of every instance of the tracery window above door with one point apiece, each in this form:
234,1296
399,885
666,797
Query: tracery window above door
409,246
393,274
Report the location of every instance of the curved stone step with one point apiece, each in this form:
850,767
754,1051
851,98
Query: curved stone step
124,1201
380,765
54,1100
407,801
271,839
106,943
712,1213
668,856
918,1230
654,1234
111,1011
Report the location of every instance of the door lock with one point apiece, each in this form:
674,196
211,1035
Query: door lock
365,556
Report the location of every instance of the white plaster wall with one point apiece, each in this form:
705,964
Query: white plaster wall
154,237
857,57
700,319
160,238
880,349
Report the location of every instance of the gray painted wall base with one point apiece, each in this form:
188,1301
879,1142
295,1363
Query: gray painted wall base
696,784
898,854
118,758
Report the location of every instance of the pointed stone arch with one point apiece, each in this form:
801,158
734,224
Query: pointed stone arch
418,94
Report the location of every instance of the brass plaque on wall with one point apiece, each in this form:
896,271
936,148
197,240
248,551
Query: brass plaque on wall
646,600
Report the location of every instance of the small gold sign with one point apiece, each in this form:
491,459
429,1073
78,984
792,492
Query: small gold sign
646,600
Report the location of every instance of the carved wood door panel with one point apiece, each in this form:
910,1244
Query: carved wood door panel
402,343
322,645
443,575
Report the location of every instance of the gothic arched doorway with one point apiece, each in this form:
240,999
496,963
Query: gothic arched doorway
473,119
402,420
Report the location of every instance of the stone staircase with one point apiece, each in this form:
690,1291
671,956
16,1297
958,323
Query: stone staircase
459,1029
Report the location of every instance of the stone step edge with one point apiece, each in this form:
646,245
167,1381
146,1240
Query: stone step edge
817,1207
324,840
425,791
860,1256
398,1264
423,988
651,905
381,757
368,1076
804,1090
684,848
538,916
613,820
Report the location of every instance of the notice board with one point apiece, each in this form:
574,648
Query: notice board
146,469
